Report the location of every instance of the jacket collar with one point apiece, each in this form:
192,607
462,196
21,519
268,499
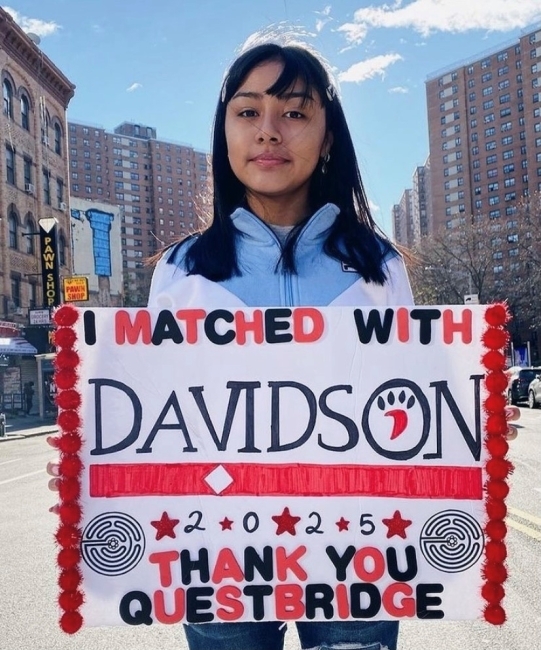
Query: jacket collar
257,230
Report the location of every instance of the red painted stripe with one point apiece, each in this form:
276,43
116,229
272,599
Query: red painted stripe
180,479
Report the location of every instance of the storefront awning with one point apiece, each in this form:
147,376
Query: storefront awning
16,345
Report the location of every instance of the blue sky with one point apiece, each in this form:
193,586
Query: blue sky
161,63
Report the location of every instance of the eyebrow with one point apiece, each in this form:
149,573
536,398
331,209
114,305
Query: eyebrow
291,95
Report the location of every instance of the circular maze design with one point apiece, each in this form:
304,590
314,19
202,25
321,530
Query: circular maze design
113,543
452,541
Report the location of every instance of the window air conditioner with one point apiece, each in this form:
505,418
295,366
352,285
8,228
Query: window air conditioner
29,188
62,206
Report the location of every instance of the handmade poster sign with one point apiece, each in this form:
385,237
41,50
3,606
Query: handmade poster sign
281,464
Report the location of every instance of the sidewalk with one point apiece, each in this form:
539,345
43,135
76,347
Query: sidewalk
21,426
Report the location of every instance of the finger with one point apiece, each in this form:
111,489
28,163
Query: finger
512,433
52,441
512,413
53,484
54,509
53,468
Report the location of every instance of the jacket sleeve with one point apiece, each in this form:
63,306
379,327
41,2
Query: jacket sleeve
400,292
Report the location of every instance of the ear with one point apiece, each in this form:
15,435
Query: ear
327,144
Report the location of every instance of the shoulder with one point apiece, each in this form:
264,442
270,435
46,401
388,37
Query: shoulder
170,267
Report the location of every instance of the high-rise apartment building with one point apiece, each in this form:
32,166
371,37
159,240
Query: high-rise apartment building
484,122
412,216
403,220
158,183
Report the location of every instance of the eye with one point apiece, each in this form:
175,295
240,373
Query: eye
247,112
295,115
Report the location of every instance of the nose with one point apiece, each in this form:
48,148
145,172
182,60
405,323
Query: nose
268,130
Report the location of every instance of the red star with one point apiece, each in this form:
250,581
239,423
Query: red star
226,524
286,522
165,526
343,524
396,525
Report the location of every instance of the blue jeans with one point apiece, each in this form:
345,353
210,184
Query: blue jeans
349,635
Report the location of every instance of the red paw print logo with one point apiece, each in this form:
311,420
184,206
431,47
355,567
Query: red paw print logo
398,413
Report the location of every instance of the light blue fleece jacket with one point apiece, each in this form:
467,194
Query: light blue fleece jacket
320,280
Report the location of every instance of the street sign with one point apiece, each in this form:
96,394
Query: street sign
76,289
39,317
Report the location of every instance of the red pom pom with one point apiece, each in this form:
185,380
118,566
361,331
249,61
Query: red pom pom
68,536
495,551
495,403
497,446
493,592
496,424
499,468
70,443
496,510
497,489
495,614
497,315
69,489
64,337
70,579
68,399
71,622
496,530
495,572
66,359
70,600
70,513
70,466
66,316
69,420
68,558
496,382
494,338
493,360
65,378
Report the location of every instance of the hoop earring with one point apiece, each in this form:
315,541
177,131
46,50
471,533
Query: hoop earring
326,159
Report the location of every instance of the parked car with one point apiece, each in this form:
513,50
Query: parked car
519,383
534,392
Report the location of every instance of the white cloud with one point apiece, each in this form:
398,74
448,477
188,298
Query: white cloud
33,25
134,86
373,206
324,18
428,16
369,68
399,90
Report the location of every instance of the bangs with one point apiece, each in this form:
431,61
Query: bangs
298,68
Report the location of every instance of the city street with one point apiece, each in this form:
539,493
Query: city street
28,591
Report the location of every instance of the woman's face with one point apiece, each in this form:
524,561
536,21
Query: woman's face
275,143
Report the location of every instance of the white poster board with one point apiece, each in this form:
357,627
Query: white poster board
278,464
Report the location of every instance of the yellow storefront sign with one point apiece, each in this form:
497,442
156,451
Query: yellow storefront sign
75,289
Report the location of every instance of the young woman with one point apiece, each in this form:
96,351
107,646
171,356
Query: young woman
291,226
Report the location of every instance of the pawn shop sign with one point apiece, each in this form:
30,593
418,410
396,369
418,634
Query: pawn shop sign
75,289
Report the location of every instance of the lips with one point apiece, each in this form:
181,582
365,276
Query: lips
269,160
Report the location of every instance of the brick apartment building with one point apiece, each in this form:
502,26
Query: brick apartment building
34,178
159,184
484,123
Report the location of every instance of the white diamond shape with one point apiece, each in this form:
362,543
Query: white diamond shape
219,479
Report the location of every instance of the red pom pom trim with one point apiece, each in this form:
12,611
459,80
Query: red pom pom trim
64,337
66,316
497,468
71,622
68,534
68,399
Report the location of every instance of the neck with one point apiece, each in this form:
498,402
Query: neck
279,211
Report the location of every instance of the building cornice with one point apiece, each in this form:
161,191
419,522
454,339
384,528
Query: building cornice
28,55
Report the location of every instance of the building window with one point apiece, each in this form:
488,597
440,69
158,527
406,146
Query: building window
13,224
505,98
487,91
16,290
10,165
59,192
57,139
29,233
62,249
8,98
25,113
46,187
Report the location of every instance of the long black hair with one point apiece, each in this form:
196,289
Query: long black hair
353,239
